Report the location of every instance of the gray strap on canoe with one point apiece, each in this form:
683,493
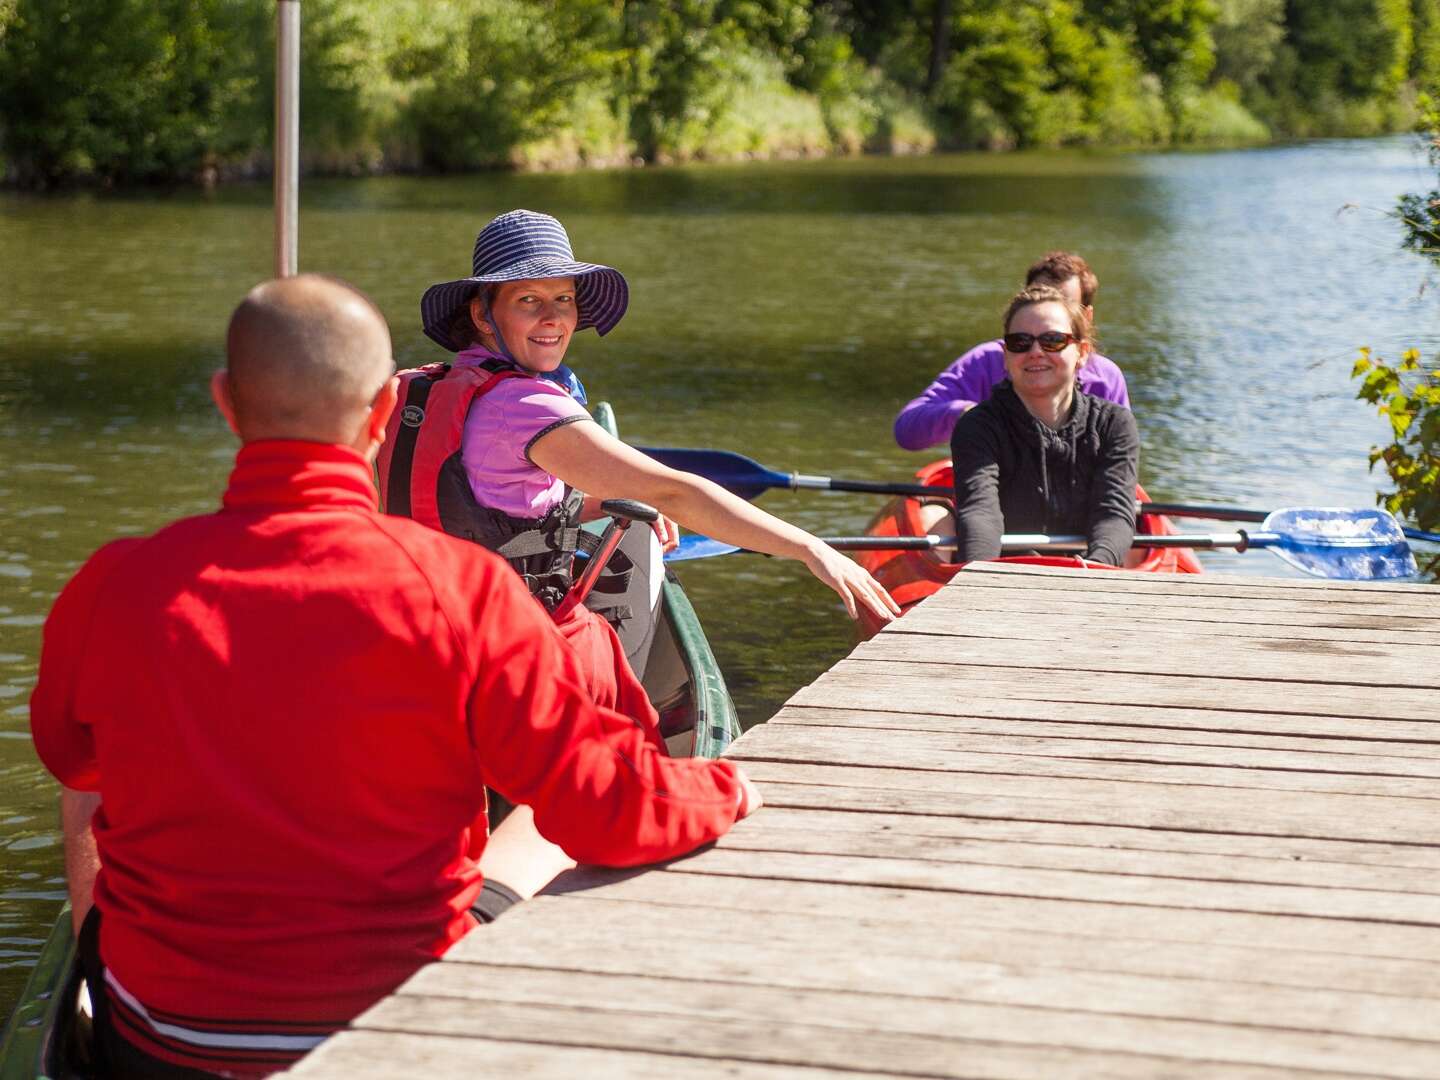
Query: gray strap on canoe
535,542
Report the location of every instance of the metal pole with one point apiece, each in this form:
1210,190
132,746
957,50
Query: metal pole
287,137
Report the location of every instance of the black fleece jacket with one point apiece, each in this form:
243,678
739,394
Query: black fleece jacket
1015,474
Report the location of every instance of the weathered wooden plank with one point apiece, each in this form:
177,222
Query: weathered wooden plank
1297,852
722,897
983,596
1269,581
1094,887
932,1019
815,950
1253,869
858,683
1211,583
764,1041
1141,627
1213,614
1271,658
1383,1016
1166,727
1132,760
1159,814
1139,786
975,594
387,1055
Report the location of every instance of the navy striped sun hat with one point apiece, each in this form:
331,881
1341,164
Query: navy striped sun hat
524,244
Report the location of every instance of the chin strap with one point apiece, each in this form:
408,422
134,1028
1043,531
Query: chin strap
500,346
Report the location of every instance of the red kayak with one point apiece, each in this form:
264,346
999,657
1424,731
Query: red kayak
911,576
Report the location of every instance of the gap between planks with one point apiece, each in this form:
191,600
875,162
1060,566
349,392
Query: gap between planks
1128,724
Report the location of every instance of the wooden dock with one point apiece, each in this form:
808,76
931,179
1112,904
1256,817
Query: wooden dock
1048,825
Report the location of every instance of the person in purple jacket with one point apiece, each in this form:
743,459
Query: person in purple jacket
930,418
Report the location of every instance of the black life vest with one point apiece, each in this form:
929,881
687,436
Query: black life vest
422,477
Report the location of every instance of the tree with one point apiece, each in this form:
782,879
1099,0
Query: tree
120,90
1357,49
1408,394
1247,33
1172,37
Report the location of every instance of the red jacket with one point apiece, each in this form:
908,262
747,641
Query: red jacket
291,708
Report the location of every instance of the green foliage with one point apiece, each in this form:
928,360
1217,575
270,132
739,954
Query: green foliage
1341,70
1246,34
1425,56
485,86
1408,395
128,90
120,91
1172,37
1216,115
1419,213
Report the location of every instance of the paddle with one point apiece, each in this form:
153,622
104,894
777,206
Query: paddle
1239,513
1347,545
749,479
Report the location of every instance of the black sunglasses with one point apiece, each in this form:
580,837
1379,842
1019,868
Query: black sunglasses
1050,341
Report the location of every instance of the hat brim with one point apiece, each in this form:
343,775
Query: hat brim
601,294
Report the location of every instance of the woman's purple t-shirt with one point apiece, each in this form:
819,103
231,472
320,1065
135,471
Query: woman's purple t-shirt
500,428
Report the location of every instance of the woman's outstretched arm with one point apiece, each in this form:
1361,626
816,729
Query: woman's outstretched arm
586,457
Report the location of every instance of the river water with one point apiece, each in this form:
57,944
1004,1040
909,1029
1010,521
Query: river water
782,310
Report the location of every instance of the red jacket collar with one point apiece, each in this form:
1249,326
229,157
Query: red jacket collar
275,474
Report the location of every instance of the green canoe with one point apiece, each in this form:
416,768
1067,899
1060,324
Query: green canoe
46,1034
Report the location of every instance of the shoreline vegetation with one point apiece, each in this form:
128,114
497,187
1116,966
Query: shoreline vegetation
114,93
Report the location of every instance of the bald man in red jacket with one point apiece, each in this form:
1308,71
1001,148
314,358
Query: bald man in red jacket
283,716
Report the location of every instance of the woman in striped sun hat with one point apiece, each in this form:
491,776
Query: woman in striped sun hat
527,447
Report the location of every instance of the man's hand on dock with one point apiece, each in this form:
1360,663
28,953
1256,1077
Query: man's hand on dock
750,797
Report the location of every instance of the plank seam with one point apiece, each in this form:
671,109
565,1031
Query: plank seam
913,887
901,812
1163,782
1132,671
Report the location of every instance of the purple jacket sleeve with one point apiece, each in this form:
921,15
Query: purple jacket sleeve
930,418
1101,377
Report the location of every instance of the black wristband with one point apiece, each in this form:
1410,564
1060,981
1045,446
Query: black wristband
494,900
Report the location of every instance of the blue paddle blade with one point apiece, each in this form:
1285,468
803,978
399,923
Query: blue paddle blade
1351,545
735,472
695,546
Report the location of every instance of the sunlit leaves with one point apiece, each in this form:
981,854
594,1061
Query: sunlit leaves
1409,398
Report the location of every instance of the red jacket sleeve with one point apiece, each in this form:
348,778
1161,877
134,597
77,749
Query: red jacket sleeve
63,739
598,788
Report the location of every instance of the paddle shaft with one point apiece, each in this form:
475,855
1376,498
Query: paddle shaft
800,481
1240,513
749,479
1046,544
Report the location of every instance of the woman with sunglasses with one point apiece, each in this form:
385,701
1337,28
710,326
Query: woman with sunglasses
1041,455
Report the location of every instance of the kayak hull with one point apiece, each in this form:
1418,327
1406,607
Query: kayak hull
911,576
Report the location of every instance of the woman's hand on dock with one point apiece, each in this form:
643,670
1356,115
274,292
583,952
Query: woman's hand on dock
851,581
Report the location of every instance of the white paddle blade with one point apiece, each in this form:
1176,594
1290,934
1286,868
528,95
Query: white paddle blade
1349,545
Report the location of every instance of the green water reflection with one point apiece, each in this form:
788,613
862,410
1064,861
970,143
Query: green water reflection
782,310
